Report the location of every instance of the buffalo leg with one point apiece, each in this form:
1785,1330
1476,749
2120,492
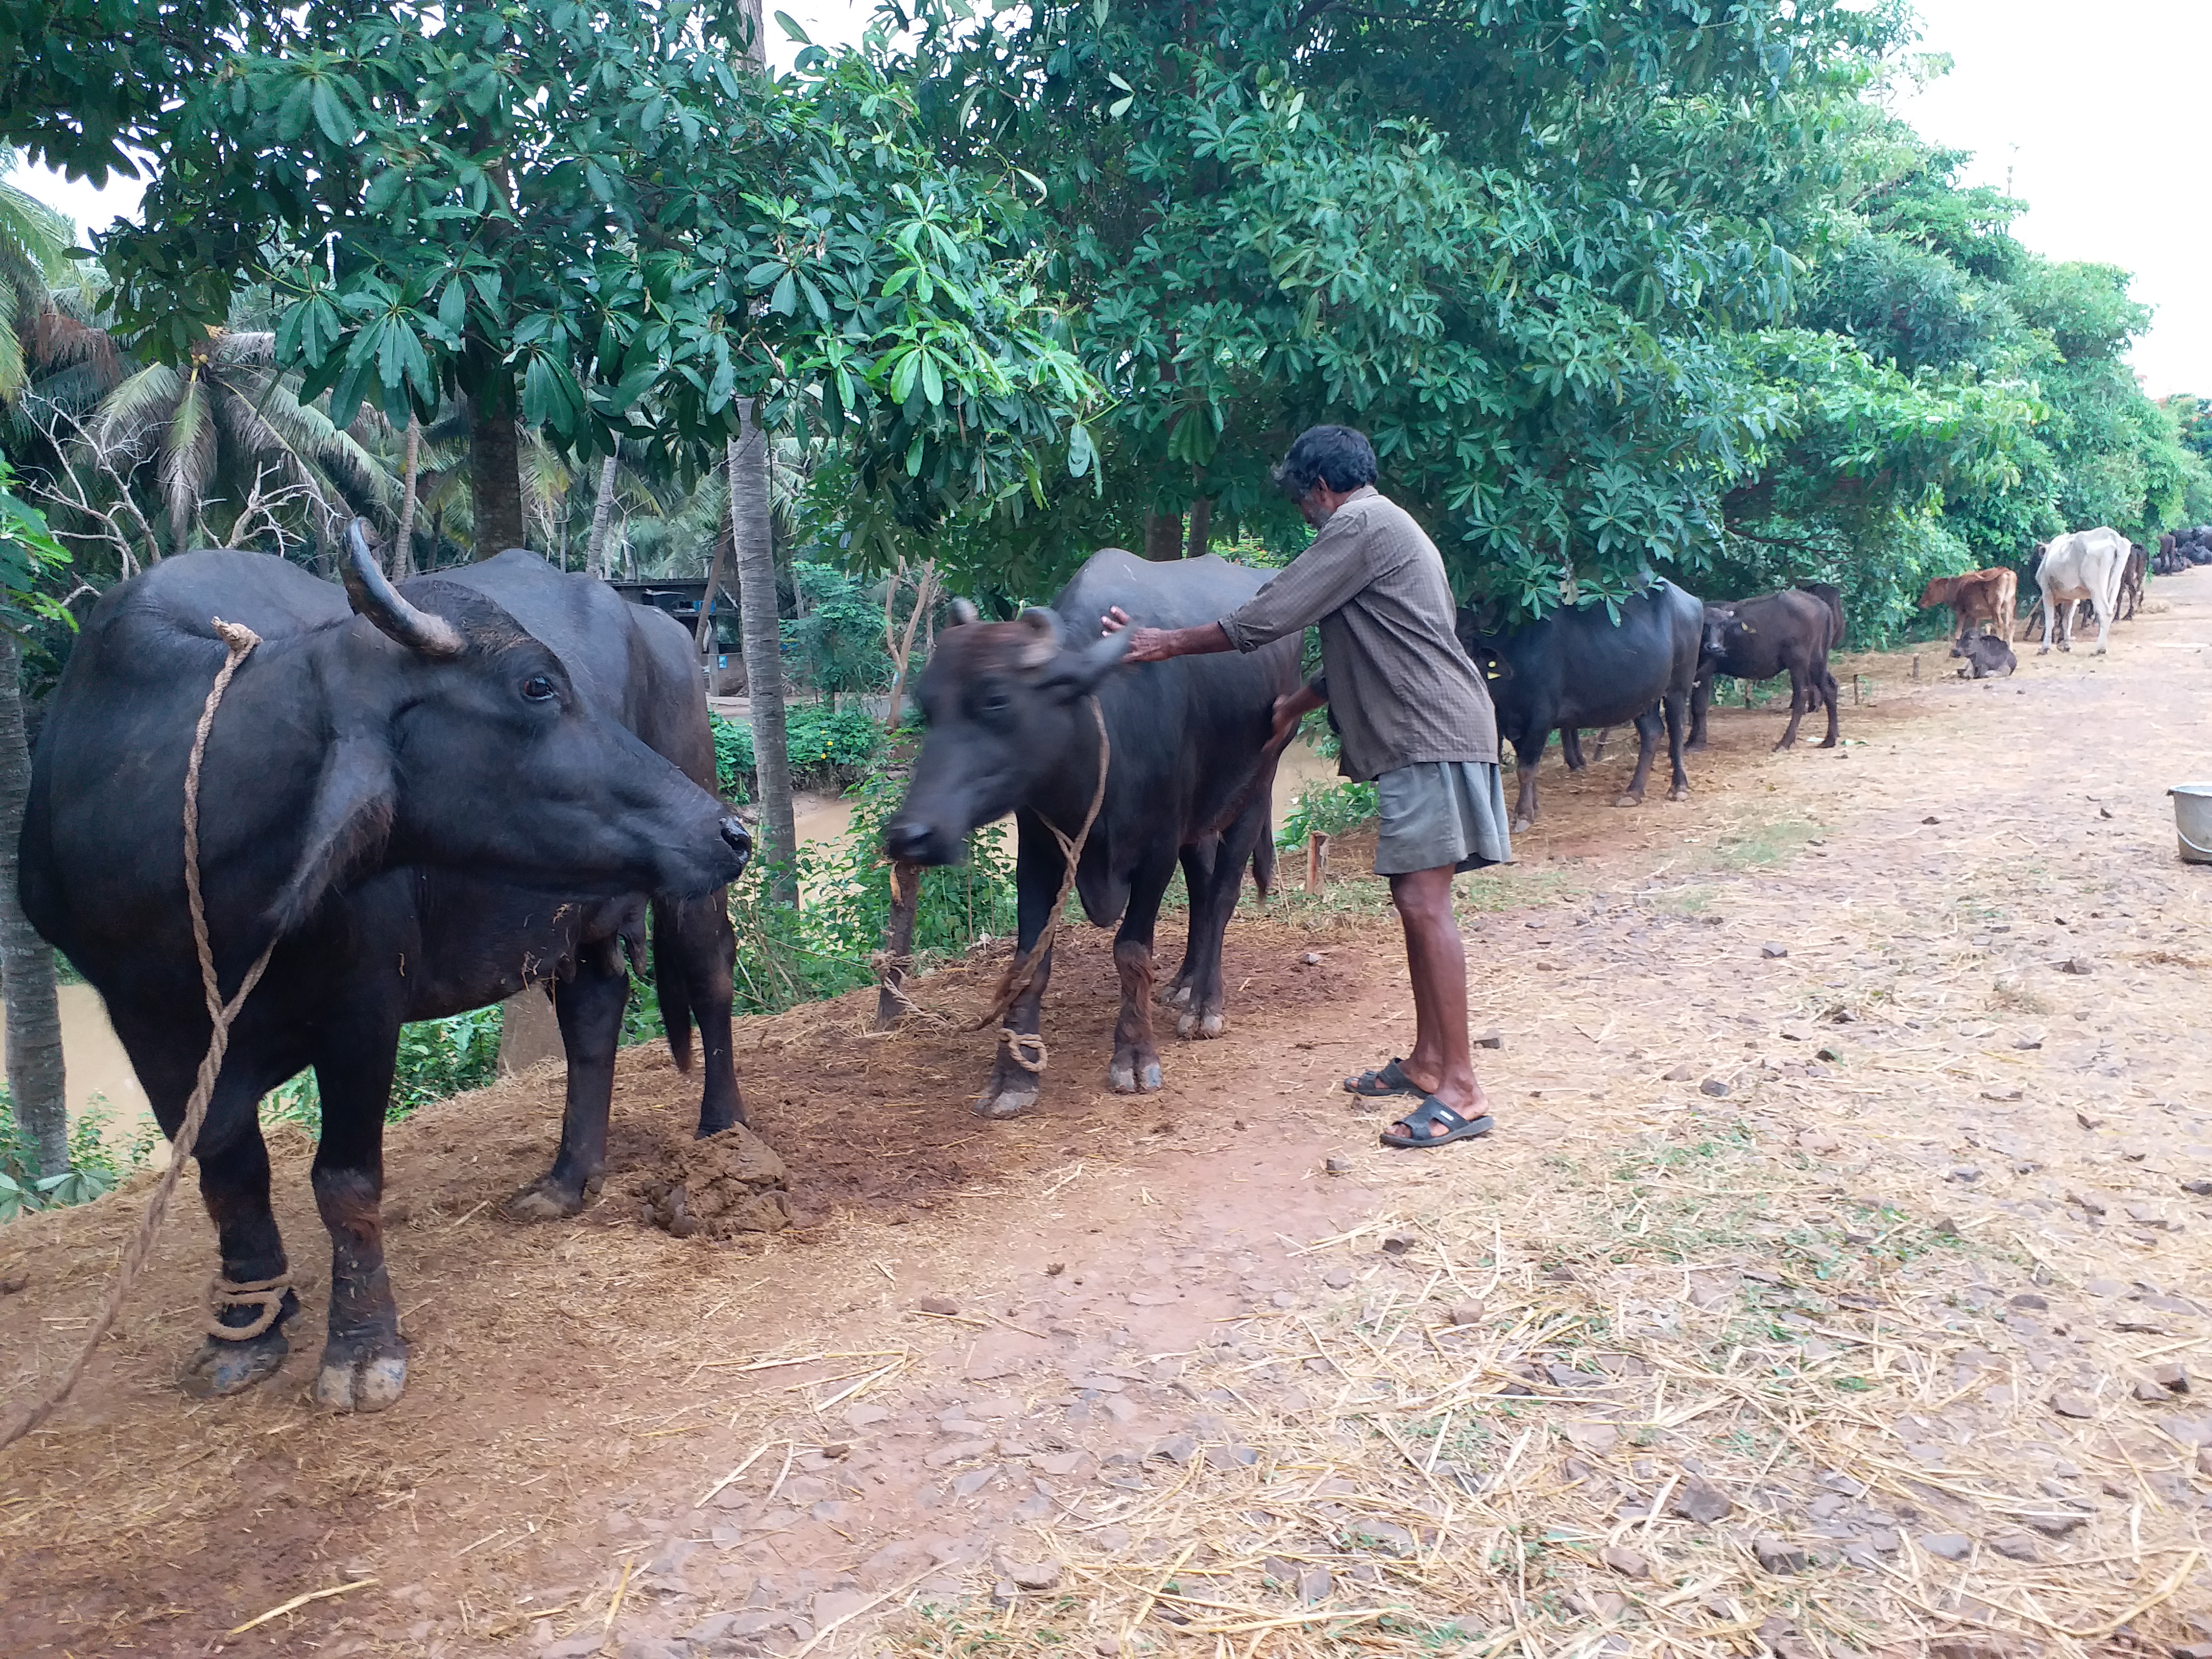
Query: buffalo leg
1135,1067
364,1364
707,945
1198,862
1039,866
589,1005
1209,921
1801,699
1647,741
1570,748
1525,757
233,1161
1829,694
1701,699
1674,705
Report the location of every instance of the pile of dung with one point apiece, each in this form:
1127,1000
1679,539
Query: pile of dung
732,1183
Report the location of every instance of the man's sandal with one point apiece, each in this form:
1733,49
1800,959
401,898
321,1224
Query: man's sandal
1381,1083
1429,1113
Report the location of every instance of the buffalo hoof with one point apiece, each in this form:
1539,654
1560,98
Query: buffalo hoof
1696,745
1131,1077
1630,799
544,1200
1193,1023
216,1369
1012,1101
1176,996
1521,826
359,1378
1680,792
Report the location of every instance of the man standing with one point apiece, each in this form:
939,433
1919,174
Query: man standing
1414,715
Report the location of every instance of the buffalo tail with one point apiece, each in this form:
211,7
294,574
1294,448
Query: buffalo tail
670,983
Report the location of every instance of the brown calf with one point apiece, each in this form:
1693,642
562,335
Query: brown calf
1986,597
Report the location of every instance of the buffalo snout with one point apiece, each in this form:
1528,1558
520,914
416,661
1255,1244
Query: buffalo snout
913,842
735,837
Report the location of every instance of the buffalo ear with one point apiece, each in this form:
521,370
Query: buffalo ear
346,827
1042,643
964,612
1076,672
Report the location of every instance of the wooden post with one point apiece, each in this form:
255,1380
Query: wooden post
1316,860
1916,664
898,942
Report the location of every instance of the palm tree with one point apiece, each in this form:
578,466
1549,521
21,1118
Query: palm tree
752,531
218,436
34,246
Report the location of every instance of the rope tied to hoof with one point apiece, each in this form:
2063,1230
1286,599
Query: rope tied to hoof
1021,969
266,1294
239,641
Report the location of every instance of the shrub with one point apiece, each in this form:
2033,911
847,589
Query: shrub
828,748
93,1169
1329,809
436,1058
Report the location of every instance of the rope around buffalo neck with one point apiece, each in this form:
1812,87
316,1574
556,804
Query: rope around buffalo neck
241,640
1022,970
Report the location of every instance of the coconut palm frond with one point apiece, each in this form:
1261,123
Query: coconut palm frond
34,238
12,369
187,459
139,403
61,340
229,351
348,473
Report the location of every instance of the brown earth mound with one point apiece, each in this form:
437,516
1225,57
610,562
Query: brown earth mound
729,1183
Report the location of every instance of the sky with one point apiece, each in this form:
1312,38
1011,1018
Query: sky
2093,114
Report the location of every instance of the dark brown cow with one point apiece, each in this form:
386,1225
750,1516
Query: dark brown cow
1987,596
2131,579
1787,633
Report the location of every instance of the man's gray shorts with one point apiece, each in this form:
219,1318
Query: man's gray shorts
1438,812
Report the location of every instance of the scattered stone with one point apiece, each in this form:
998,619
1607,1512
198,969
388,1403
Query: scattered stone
1772,952
1314,1585
1397,1243
1276,1571
938,1304
2172,1376
2057,1524
1034,1575
2101,1286
975,1480
1626,1562
1232,1457
2147,1392
574,1647
1831,1053
2204,1461
1699,1500
1055,1269
1778,1555
1492,1038
1467,1313
2198,1188
2001,1094
1962,1172
2030,1302
1931,818
2088,1119
1337,1278
1596,1438
1713,1086
1005,1593
2068,1403
1818,1142
1309,959
1680,1074
2077,966
1946,1545
2089,1201
1175,1449
1337,1166
2016,1546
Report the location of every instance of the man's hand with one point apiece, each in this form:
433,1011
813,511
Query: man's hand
1159,644
1290,709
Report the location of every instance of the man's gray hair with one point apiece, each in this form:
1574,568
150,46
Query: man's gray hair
1336,456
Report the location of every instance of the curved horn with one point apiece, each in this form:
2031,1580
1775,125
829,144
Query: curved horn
1043,645
964,612
375,597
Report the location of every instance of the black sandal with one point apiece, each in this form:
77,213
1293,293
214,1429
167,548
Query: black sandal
1382,1083
1433,1111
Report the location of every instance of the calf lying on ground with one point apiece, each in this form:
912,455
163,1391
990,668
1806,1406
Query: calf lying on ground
1986,597
1987,657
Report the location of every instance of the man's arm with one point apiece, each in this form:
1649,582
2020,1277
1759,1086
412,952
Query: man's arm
1294,706
1159,644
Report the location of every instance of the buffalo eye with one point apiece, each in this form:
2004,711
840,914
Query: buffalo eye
538,689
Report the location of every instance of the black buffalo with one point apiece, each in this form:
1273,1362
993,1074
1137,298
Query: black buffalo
1579,668
1987,657
1011,730
1790,632
466,788
2132,575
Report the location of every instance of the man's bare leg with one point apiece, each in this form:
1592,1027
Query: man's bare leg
1441,1064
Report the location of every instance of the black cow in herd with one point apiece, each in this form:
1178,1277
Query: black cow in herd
1188,780
481,780
1577,667
1790,633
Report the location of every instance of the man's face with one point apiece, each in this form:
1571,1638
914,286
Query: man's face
1317,504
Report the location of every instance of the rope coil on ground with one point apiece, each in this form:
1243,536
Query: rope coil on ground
240,641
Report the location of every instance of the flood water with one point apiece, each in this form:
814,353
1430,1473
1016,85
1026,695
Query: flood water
99,1071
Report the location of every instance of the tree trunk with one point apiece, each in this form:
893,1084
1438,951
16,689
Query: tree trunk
495,470
703,631
403,539
764,651
26,961
603,512
1164,535
1201,520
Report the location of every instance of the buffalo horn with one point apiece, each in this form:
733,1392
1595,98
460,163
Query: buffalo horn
1043,645
964,612
375,597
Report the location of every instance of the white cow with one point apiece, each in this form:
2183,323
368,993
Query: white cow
2086,565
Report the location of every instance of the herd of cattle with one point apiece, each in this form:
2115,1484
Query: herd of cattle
500,775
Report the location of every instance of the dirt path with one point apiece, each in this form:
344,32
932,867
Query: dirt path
1821,1302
